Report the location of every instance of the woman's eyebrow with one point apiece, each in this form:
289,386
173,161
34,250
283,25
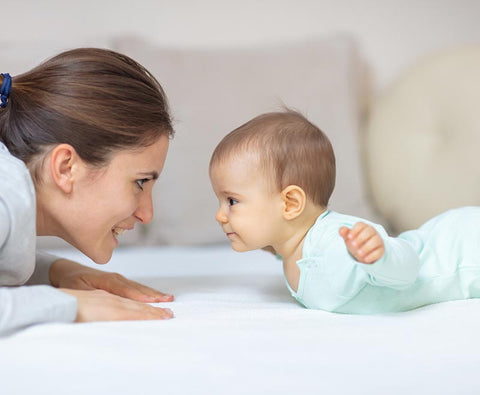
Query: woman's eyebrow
152,174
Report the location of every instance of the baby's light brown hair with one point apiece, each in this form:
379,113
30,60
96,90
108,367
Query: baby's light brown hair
291,151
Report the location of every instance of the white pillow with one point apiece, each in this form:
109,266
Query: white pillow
423,139
212,91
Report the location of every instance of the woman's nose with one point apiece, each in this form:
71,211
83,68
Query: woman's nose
144,212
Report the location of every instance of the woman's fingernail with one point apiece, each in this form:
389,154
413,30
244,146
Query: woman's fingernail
170,312
160,298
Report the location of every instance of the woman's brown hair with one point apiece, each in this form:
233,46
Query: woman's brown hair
97,100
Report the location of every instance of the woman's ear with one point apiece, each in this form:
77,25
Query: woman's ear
63,162
294,200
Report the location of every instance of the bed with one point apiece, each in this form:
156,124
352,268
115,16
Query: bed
236,331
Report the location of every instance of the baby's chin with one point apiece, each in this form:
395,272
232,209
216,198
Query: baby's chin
241,248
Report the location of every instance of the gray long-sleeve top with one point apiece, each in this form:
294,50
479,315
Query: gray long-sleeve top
22,301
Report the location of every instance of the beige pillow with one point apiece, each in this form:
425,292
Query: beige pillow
212,91
423,139
18,57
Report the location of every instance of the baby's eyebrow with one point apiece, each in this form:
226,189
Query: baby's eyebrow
152,174
225,192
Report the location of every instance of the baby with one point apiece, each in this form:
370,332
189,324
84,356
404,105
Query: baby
273,177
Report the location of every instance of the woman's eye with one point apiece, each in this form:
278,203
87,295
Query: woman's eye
231,201
141,182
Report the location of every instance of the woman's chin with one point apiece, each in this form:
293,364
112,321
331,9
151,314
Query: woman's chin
102,260
99,255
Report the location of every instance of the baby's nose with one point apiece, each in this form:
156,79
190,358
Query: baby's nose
220,216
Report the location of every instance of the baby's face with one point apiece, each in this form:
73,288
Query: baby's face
250,213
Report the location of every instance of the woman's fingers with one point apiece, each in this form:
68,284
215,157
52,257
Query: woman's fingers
128,309
119,285
100,305
72,275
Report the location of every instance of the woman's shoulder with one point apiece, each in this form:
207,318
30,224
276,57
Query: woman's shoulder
17,220
10,162
16,179
17,193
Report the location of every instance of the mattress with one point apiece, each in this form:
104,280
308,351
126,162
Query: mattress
237,330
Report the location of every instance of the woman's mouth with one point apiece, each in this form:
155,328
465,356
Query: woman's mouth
118,231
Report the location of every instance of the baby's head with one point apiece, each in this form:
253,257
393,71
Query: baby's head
259,160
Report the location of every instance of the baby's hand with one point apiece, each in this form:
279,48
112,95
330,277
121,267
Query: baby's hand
363,242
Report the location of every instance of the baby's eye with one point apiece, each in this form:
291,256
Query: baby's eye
231,201
141,182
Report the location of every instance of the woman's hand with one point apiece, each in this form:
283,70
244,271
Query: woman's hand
363,242
68,274
100,305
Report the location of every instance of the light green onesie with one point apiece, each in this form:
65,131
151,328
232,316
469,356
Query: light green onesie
438,262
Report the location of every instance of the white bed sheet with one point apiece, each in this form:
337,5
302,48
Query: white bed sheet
238,331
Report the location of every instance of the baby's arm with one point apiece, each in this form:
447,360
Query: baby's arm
394,262
363,242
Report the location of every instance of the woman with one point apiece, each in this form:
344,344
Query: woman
83,137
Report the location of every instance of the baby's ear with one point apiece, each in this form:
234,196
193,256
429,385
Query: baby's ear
294,200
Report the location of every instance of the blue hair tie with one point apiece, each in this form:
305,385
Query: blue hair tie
5,89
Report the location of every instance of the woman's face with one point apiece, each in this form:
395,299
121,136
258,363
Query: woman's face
108,201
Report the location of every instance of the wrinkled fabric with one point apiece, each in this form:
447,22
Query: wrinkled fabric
19,261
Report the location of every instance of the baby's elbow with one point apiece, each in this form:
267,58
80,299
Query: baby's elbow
397,283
